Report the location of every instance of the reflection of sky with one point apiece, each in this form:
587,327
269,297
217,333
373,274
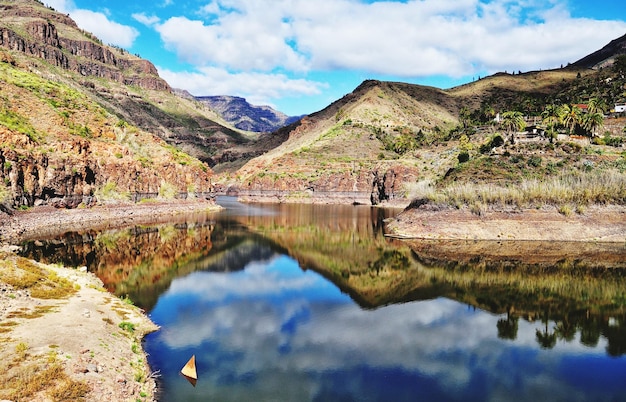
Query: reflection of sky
274,332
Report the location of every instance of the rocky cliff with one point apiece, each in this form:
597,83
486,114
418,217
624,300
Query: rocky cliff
79,120
38,37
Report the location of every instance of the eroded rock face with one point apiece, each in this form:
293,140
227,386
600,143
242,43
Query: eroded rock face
74,176
86,56
382,184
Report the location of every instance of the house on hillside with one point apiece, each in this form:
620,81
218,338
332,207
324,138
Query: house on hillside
620,107
583,107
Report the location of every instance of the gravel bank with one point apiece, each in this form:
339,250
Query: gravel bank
42,222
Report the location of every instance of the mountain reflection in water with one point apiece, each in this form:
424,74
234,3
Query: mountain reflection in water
301,302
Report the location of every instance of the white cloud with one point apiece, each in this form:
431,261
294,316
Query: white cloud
410,39
97,23
257,88
148,20
109,31
237,44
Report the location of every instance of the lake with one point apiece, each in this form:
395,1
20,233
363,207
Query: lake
314,303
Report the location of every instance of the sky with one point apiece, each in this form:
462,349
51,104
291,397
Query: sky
299,56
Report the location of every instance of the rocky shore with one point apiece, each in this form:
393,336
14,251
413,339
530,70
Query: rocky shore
595,224
46,221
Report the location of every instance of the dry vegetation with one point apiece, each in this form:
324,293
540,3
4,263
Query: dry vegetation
24,376
568,190
46,346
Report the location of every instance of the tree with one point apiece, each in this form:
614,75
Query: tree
507,328
590,122
545,338
597,105
570,116
619,65
513,122
465,116
551,116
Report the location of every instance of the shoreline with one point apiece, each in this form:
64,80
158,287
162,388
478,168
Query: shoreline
596,224
95,337
86,344
48,221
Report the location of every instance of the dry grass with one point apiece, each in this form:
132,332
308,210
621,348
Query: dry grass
22,274
578,189
26,381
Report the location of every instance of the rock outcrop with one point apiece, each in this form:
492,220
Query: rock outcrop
87,56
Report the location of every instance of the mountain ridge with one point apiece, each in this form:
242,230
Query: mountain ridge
241,114
376,143
604,56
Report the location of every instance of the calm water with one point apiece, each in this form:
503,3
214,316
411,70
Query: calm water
313,303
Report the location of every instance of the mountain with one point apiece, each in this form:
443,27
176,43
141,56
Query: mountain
604,56
347,152
385,140
244,116
79,119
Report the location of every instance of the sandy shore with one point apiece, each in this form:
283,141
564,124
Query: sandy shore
94,336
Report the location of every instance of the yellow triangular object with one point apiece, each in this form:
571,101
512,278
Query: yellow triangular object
190,368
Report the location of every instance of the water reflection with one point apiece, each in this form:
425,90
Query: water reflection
248,292
272,332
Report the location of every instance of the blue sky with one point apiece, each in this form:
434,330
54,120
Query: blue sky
300,55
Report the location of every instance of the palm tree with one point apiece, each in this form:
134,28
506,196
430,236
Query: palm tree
592,121
465,116
545,338
488,113
507,327
570,116
551,119
597,105
513,122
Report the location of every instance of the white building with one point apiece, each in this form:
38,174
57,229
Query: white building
620,107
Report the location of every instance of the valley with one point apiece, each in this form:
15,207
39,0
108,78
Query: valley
93,139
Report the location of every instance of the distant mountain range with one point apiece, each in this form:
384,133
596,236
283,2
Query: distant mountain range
244,116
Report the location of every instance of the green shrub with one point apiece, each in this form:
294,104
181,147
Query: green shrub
110,192
167,191
127,326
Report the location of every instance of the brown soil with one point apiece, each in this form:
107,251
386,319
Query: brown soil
597,223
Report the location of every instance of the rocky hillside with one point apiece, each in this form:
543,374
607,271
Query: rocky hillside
242,115
375,145
355,150
81,121
124,84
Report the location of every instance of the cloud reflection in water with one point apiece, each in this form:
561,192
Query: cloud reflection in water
274,332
